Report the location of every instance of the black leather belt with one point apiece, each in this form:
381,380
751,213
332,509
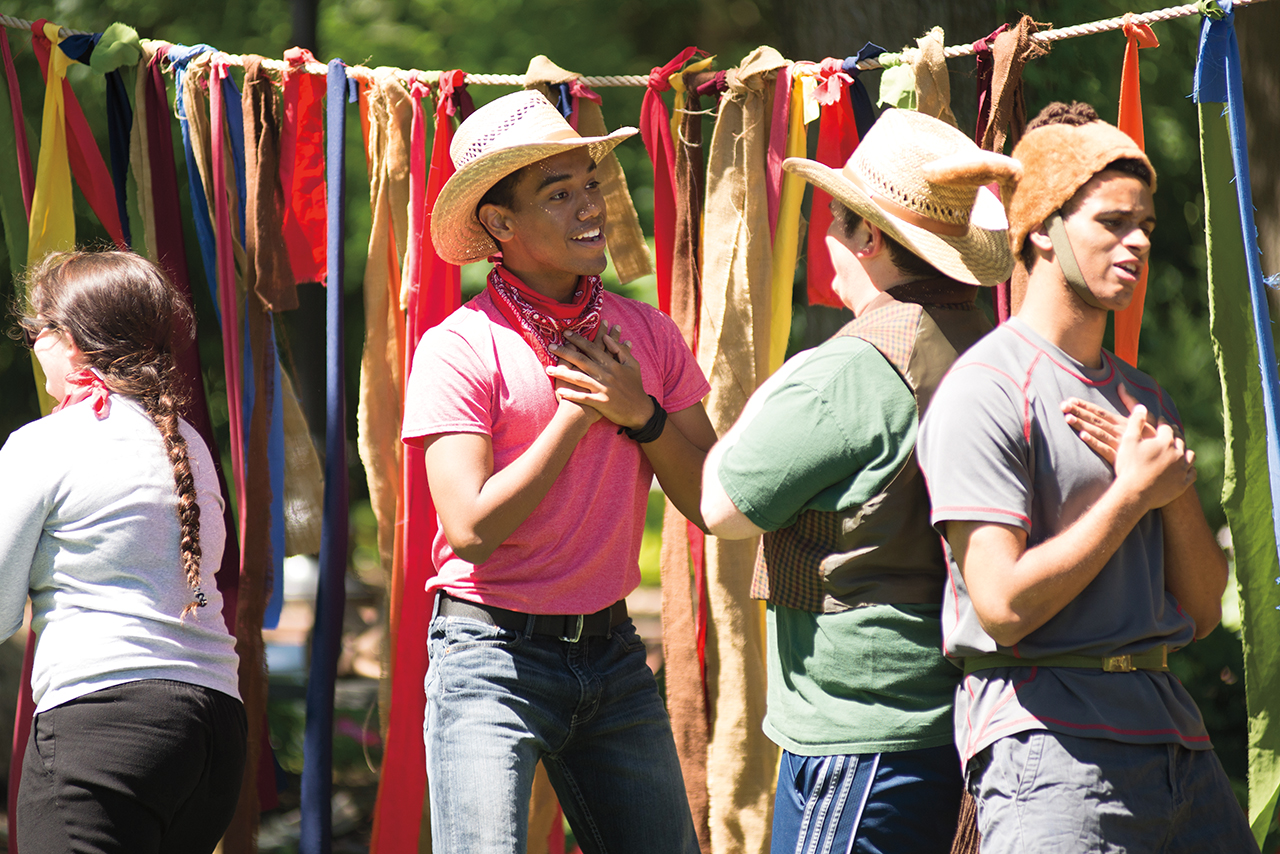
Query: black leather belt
567,627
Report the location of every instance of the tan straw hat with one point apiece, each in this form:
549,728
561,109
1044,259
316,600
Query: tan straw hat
920,181
501,137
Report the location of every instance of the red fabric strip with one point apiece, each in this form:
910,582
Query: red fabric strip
1128,323
655,130
21,732
778,145
577,91
302,169
837,138
698,555
25,173
434,292
87,165
228,296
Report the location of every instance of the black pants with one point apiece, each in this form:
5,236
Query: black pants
148,766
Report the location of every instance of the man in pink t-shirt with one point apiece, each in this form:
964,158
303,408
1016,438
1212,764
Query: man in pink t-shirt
545,407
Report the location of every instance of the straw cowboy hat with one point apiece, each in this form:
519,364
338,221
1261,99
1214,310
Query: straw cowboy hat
921,182
501,137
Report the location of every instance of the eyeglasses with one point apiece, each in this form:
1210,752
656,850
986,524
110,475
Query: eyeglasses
30,337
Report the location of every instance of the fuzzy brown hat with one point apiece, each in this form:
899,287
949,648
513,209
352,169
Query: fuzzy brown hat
1057,160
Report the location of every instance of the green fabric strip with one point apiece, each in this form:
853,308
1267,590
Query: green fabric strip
1246,492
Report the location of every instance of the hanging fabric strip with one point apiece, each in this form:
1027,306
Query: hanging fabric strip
91,173
53,225
326,639
1246,357
933,82
982,57
786,244
15,204
179,57
628,249
684,606
378,414
778,135
1128,322
169,250
270,283
398,813
690,171
105,53
837,138
655,130
26,176
733,352
228,290
1011,51
302,168
863,111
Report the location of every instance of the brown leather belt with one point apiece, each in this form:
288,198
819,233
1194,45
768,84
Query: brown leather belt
567,627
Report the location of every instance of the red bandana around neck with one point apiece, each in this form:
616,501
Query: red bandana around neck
87,384
542,321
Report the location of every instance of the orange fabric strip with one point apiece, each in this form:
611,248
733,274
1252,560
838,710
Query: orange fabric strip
1128,323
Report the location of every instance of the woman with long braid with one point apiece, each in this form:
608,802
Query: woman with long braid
109,508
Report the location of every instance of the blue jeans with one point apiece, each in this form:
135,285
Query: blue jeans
1050,793
499,701
868,803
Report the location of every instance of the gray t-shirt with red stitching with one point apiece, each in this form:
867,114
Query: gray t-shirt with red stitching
994,447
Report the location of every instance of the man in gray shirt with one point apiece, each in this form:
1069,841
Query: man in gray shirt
1076,566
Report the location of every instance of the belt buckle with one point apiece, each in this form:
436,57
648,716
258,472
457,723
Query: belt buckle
1117,663
577,631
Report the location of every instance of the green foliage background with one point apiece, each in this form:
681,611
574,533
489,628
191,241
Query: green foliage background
630,37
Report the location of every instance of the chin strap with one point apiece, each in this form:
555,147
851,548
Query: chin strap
1067,259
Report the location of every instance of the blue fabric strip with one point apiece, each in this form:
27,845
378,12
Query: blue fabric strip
234,112
179,57
864,115
326,639
1217,80
119,126
566,101
275,458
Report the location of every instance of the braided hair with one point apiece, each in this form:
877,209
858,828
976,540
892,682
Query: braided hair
129,321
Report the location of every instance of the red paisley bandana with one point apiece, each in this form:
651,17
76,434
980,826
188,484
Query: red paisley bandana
542,321
87,384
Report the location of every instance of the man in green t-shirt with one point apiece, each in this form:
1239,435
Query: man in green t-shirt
822,463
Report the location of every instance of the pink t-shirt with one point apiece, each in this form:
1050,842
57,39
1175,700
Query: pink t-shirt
577,552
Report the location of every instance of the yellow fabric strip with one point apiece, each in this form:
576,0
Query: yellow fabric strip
677,83
53,224
786,242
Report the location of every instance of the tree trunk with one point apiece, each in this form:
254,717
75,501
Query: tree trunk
1256,27
303,14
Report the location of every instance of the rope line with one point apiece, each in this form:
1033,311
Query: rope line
885,60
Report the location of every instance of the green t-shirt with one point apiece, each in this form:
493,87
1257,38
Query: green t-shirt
827,432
